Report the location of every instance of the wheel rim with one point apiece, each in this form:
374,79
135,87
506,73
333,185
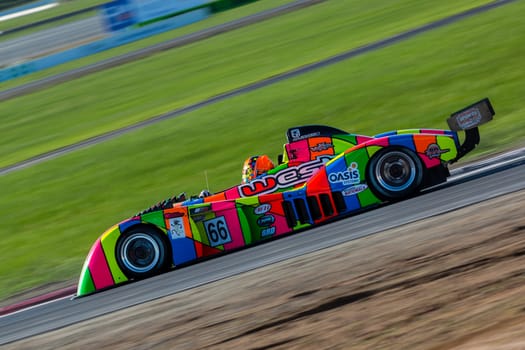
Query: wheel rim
140,253
395,171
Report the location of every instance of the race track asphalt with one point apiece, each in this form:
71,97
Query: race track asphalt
466,188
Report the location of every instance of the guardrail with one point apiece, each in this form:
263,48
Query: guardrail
120,38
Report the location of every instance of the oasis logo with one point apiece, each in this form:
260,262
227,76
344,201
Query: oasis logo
262,209
350,191
348,177
283,179
266,220
433,151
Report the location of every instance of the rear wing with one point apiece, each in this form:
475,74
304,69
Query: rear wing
468,119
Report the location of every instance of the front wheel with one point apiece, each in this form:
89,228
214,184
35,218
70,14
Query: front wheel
141,252
395,173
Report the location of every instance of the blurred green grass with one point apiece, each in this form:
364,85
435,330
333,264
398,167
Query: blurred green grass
107,100
55,210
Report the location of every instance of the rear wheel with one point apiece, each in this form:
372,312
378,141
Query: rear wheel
395,173
141,252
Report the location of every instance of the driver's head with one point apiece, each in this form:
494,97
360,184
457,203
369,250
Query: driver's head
255,166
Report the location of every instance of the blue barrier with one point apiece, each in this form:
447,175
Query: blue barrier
26,7
120,38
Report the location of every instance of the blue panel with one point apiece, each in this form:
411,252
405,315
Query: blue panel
405,140
183,250
388,133
127,224
352,203
298,194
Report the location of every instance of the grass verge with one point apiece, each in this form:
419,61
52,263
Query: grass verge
104,101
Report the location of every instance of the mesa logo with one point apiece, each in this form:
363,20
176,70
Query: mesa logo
348,177
469,118
283,179
433,151
350,191
323,146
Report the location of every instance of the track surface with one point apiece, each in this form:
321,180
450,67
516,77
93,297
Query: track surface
463,190
50,40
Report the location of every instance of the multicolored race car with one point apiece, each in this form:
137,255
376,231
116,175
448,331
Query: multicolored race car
323,174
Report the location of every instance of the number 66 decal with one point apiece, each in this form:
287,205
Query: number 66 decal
217,231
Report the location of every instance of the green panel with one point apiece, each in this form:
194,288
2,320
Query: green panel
85,284
367,198
341,145
248,201
372,150
301,226
156,218
197,228
109,246
245,226
445,142
409,131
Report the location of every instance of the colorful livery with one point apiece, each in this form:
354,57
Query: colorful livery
323,174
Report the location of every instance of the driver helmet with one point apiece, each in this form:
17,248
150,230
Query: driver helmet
255,166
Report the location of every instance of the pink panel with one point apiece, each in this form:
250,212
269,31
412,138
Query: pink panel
99,268
430,162
381,142
227,208
232,193
298,151
432,131
281,226
361,139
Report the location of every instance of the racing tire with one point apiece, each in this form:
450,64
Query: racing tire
142,252
395,173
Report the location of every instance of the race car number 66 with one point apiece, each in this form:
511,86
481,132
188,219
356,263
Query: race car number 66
217,231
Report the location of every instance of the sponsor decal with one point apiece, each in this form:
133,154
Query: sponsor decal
200,210
266,220
469,118
296,133
176,228
198,218
433,151
350,191
262,209
283,179
348,177
269,231
217,231
323,146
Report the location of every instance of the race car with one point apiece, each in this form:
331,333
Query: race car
323,174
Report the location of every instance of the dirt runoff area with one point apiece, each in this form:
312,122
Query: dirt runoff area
456,281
